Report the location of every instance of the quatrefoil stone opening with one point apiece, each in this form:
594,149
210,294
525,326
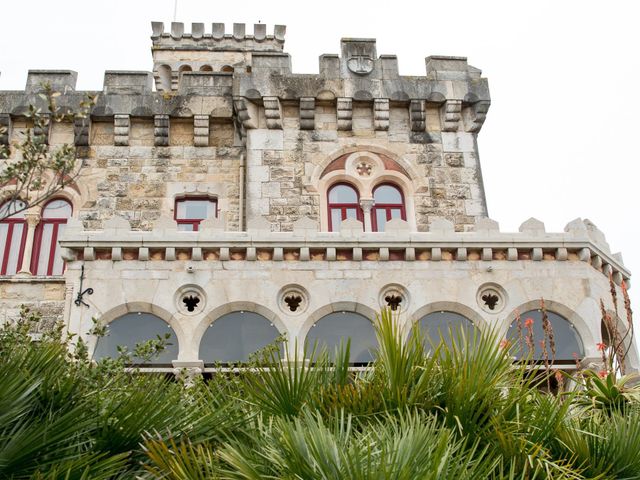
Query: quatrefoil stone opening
293,301
393,301
191,302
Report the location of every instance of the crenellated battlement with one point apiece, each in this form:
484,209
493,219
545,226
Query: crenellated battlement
177,52
218,38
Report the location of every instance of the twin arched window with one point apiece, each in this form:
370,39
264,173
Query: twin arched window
343,202
45,254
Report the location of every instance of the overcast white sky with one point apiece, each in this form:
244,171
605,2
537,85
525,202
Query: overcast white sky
558,142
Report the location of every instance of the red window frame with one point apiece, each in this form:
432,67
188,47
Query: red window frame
37,240
343,207
12,222
195,222
387,207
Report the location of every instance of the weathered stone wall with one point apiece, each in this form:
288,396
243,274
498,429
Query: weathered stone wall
45,298
141,183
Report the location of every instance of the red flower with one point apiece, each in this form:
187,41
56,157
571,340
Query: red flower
601,346
602,373
528,322
505,344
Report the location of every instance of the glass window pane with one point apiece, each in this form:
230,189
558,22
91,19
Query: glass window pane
445,327
45,249
381,219
567,339
58,262
331,329
232,338
336,219
343,194
8,208
352,213
387,194
14,250
57,209
396,213
4,229
194,209
185,227
135,328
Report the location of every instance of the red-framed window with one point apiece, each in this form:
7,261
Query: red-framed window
190,211
388,203
46,258
13,235
342,202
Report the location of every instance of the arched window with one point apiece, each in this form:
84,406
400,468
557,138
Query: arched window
189,212
135,328
13,234
332,329
568,343
388,204
445,327
343,203
46,258
233,337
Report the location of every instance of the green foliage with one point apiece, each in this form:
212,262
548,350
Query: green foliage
460,411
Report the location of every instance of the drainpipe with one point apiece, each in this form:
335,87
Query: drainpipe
241,199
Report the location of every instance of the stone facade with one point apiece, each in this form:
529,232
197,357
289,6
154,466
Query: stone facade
229,121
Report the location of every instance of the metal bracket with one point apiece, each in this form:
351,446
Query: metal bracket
89,291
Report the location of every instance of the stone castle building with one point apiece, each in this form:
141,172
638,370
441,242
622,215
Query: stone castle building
227,201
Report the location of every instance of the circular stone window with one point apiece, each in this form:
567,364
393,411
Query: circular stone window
293,299
190,299
491,297
395,297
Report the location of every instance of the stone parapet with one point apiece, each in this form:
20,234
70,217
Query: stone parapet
117,242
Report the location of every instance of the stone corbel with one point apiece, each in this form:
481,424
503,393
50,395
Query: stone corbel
381,114
344,108
201,130
161,130
81,131
417,115
246,112
121,125
451,113
475,115
272,112
307,113
5,128
43,131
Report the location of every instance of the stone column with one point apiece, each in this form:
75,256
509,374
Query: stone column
33,219
366,204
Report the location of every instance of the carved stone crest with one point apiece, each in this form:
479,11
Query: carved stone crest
360,64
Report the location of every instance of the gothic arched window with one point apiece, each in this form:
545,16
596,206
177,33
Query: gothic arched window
233,337
13,235
445,327
136,328
527,337
46,258
332,329
388,203
342,200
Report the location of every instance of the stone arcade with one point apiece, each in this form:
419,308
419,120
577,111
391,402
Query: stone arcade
238,201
